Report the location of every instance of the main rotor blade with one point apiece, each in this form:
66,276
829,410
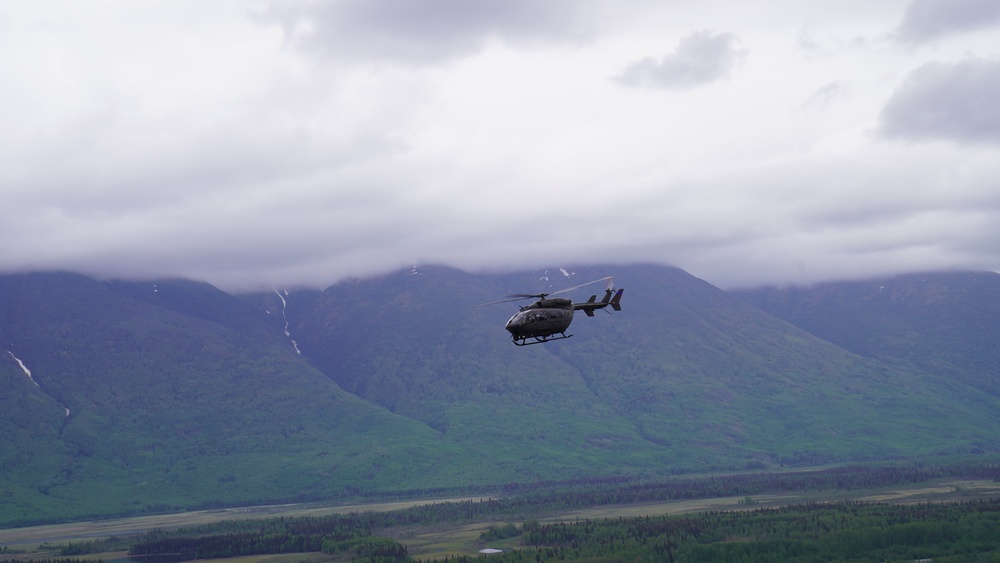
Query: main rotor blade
518,297
522,296
606,278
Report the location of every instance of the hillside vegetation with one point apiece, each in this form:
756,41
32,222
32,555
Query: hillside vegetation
686,378
156,396
944,323
143,407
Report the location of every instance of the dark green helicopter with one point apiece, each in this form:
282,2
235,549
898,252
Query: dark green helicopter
551,316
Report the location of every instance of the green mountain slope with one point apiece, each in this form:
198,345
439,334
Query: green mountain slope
151,396
686,378
167,409
942,323
415,343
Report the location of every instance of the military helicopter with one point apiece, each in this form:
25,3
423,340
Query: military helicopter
549,316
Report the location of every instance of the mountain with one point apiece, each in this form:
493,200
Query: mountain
686,378
123,397
152,396
944,323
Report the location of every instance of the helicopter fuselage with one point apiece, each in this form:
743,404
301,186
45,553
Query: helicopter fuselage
541,319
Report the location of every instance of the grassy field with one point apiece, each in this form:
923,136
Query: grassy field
442,540
32,537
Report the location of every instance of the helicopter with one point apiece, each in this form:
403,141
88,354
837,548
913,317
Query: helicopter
551,316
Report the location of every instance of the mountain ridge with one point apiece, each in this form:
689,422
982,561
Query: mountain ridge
678,326
170,410
946,322
182,395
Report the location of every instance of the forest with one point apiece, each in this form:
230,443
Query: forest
811,532
523,525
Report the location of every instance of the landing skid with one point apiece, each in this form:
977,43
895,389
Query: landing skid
539,339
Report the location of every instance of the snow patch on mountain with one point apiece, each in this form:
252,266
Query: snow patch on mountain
24,368
27,372
284,306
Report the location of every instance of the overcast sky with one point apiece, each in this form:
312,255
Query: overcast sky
254,144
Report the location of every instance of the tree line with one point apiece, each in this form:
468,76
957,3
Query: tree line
358,545
853,531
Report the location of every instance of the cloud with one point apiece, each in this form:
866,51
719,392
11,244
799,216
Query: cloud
926,20
313,141
425,31
951,101
700,58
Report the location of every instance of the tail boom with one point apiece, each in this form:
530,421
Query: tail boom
610,298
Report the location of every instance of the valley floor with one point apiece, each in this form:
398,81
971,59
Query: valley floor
439,540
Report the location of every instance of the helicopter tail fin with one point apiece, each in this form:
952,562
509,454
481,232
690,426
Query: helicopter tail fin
593,304
617,299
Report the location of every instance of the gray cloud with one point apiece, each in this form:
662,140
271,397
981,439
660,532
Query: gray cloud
940,100
428,31
926,20
700,58
318,141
